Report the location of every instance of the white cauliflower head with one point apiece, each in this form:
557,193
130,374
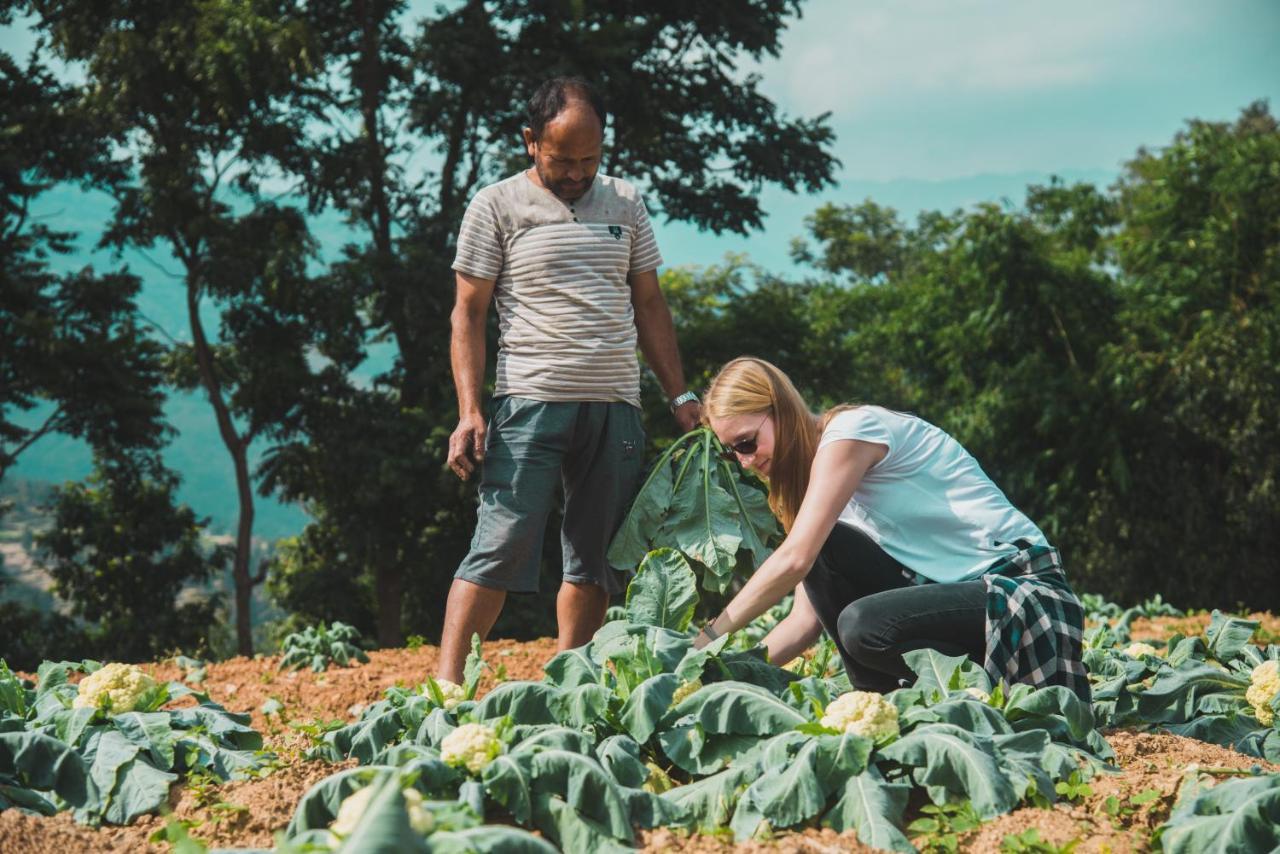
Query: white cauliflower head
1137,650
978,694
354,805
116,688
862,713
470,746
685,691
452,692
1264,685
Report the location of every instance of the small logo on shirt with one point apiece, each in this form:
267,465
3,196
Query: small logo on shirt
616,231
628,446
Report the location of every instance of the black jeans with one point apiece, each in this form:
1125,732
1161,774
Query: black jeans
875,614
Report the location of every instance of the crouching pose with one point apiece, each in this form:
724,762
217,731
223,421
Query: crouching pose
896,540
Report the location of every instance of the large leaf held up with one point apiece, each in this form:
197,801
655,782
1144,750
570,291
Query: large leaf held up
715,514
1227,636
384,825
784,795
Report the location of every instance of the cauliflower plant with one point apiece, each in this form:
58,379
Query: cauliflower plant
115,688
354,805
1264,685
862,713
1137,650
688,689
452,692
470,746
658,780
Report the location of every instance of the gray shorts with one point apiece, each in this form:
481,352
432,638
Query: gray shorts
594,450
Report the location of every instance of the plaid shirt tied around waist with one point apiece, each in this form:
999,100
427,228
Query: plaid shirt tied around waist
1035,623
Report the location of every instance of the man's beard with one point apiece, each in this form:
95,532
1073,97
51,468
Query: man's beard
565,189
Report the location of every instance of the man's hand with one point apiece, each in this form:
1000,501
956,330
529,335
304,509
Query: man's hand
688,415
466,445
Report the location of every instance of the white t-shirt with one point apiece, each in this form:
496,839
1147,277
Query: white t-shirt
928,503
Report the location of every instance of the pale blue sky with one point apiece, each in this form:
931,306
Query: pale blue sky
944,103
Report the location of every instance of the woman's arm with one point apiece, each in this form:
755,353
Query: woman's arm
837,470
796,633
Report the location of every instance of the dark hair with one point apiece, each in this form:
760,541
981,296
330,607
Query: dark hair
550,98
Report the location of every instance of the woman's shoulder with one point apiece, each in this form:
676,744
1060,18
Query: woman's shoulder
849,416
864,421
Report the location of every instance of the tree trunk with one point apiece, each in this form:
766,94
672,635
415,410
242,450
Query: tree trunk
371,82
238,448
244,582
388,583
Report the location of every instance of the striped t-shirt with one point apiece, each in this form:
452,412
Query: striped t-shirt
566,327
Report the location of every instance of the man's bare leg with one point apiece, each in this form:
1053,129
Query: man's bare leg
471,609
579,613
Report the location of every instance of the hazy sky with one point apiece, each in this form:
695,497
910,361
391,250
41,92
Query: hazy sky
943,103
932,89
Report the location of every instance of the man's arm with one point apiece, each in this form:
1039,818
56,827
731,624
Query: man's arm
466,355
657,337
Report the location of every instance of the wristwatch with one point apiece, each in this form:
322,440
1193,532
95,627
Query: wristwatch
681,399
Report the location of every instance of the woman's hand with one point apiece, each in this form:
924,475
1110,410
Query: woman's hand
708,632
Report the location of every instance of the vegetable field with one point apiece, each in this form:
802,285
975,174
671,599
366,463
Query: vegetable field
615,745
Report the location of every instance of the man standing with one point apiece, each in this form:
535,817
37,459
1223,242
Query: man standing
570,260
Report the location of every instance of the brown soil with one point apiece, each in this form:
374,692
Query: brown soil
1153,767
1162,628
248,813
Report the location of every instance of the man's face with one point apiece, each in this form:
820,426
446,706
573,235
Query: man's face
567,155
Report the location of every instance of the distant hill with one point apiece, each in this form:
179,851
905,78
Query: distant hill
197,454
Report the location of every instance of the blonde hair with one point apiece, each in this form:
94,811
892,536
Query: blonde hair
751,386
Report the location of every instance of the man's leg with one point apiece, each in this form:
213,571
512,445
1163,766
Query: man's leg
517,487
471,609
601,473
580,612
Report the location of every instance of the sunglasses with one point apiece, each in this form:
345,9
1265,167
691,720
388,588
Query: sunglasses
745,447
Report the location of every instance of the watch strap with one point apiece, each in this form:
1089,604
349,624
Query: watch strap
681,399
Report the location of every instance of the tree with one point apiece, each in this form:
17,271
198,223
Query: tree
189,94
1197,368
73,345
702,141
121,553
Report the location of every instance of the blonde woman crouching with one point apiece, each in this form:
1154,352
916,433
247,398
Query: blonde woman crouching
896,540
